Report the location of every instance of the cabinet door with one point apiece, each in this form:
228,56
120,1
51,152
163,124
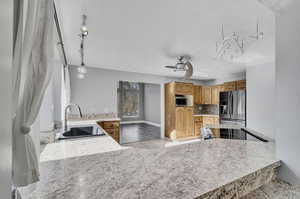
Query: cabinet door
114,133
198,126
215,95
241,84
216,120
229,86
208,120
184,88
216,132
180,122
197,94
206,95
221,88
189,121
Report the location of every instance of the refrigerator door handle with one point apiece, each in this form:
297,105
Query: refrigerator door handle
231,104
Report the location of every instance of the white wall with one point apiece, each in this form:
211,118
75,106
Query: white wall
97,93
233,77
6,22
261,107
152,103
288,91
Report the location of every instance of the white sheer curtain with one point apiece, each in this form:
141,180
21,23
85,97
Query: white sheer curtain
33,54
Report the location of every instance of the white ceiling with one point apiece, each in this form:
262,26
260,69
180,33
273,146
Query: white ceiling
141,35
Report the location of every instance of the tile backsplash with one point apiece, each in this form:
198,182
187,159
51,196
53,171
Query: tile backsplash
212,109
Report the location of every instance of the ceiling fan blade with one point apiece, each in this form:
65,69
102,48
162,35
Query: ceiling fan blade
189,71
172,67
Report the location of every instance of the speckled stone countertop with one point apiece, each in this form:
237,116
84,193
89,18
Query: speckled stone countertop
91,119
205,115
183,171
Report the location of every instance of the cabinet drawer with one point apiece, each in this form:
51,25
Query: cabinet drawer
198,119
206,95
111,125
208,120
216,120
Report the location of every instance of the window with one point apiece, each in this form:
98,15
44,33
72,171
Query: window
130,99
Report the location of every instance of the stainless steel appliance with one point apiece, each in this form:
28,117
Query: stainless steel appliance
233,107
239,134
181,100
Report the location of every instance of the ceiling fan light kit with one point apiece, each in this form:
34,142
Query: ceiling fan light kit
183,64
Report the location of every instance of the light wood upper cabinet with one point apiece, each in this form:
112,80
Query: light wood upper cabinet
241,84
215,95
197,94
236,85
206,95
230,86
180,122
221,88
210,95
184,88
189,122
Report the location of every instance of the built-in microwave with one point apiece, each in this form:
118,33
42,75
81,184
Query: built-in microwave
181,100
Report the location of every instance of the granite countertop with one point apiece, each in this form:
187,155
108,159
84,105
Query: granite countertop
78,122
206,115
225,126
91,119
184,171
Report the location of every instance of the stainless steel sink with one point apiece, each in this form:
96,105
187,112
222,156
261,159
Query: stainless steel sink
80,132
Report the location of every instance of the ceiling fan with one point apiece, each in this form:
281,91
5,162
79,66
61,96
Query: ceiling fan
183,65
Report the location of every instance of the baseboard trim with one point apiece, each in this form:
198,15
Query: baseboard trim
152,123
140,122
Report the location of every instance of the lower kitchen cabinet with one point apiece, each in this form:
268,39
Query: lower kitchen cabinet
198,124
184,122
202,121
180,122
112,128
189,121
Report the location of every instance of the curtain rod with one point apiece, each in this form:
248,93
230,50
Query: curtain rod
60,36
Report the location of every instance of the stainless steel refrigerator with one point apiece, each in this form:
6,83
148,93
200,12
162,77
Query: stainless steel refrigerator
233,107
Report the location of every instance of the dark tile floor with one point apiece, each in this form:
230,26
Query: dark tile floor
138,132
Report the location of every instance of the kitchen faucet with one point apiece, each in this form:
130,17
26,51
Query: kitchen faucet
66,113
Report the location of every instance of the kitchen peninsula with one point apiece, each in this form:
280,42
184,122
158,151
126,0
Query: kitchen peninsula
216,168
